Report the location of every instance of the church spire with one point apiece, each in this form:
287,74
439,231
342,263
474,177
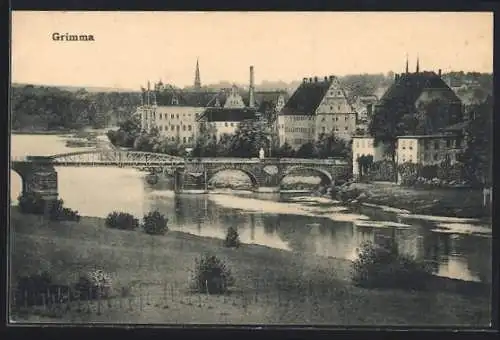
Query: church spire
407,63
197,81
418,65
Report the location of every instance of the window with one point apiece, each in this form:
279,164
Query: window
172,128
345,128
161,116
184,139
225,124
161,128
331,108
173,138
357,144
436,156
184,128
345,118
178,128
189,127
339,107
177,116
232,124
172,116
336,119
403,144
448,143
196,115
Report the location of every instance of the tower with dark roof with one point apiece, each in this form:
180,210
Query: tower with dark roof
197,81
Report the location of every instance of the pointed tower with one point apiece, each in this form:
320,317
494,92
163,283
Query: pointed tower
418,65
197,81
407,64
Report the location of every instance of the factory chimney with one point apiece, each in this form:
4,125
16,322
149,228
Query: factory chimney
251,101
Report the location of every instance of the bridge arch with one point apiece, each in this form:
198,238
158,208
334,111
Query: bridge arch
250,175
326,177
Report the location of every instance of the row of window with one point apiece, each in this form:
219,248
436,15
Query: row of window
299,129
184,139
361,143
336,118
174,116
174,127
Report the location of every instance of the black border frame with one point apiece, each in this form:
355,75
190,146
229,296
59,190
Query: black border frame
273,331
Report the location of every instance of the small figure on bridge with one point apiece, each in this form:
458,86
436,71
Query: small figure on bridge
261,153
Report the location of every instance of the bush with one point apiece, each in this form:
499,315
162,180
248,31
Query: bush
30,203
211,275
155,223
94,284
384,267
121,220
232,238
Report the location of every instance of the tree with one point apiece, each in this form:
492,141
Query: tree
390,120
249,138
308,150
478,154
328,145
284,151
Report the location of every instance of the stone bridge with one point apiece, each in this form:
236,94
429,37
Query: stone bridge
39,175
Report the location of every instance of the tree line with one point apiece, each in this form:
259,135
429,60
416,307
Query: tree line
43,108
246,142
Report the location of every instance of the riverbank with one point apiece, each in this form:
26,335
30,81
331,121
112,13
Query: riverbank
271,282
453,202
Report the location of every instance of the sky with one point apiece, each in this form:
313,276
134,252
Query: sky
131,48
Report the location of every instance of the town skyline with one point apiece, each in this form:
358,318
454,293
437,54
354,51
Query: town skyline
367,45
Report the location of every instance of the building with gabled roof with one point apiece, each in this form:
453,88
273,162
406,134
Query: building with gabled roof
220,120
411,93
318,106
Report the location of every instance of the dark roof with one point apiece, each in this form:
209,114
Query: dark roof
214,114
187,98
409,86
306,99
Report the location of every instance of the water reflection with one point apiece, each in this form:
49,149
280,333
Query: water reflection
98,191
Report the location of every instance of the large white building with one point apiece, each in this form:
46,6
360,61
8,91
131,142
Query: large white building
318,106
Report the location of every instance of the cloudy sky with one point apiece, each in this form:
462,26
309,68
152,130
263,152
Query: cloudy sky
132,47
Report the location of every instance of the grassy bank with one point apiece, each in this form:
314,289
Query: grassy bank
453,202
272,286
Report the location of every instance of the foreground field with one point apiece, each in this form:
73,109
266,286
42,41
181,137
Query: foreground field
272,286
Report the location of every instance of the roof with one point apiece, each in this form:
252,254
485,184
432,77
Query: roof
409,86
214,114
206,98
306,99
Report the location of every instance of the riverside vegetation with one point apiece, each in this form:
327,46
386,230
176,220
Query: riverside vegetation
126,276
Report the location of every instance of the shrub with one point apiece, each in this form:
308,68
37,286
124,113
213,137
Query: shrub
30,288
211,275
232,238
384,267
121,220
155,223
30,203
428,171
94,284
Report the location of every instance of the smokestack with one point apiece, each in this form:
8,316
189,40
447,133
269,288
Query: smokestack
310,80
315,79
251,102
439,72
304,80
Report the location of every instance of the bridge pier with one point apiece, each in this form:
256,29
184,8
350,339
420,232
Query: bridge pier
38,177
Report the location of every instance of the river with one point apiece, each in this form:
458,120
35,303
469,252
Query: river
457,248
